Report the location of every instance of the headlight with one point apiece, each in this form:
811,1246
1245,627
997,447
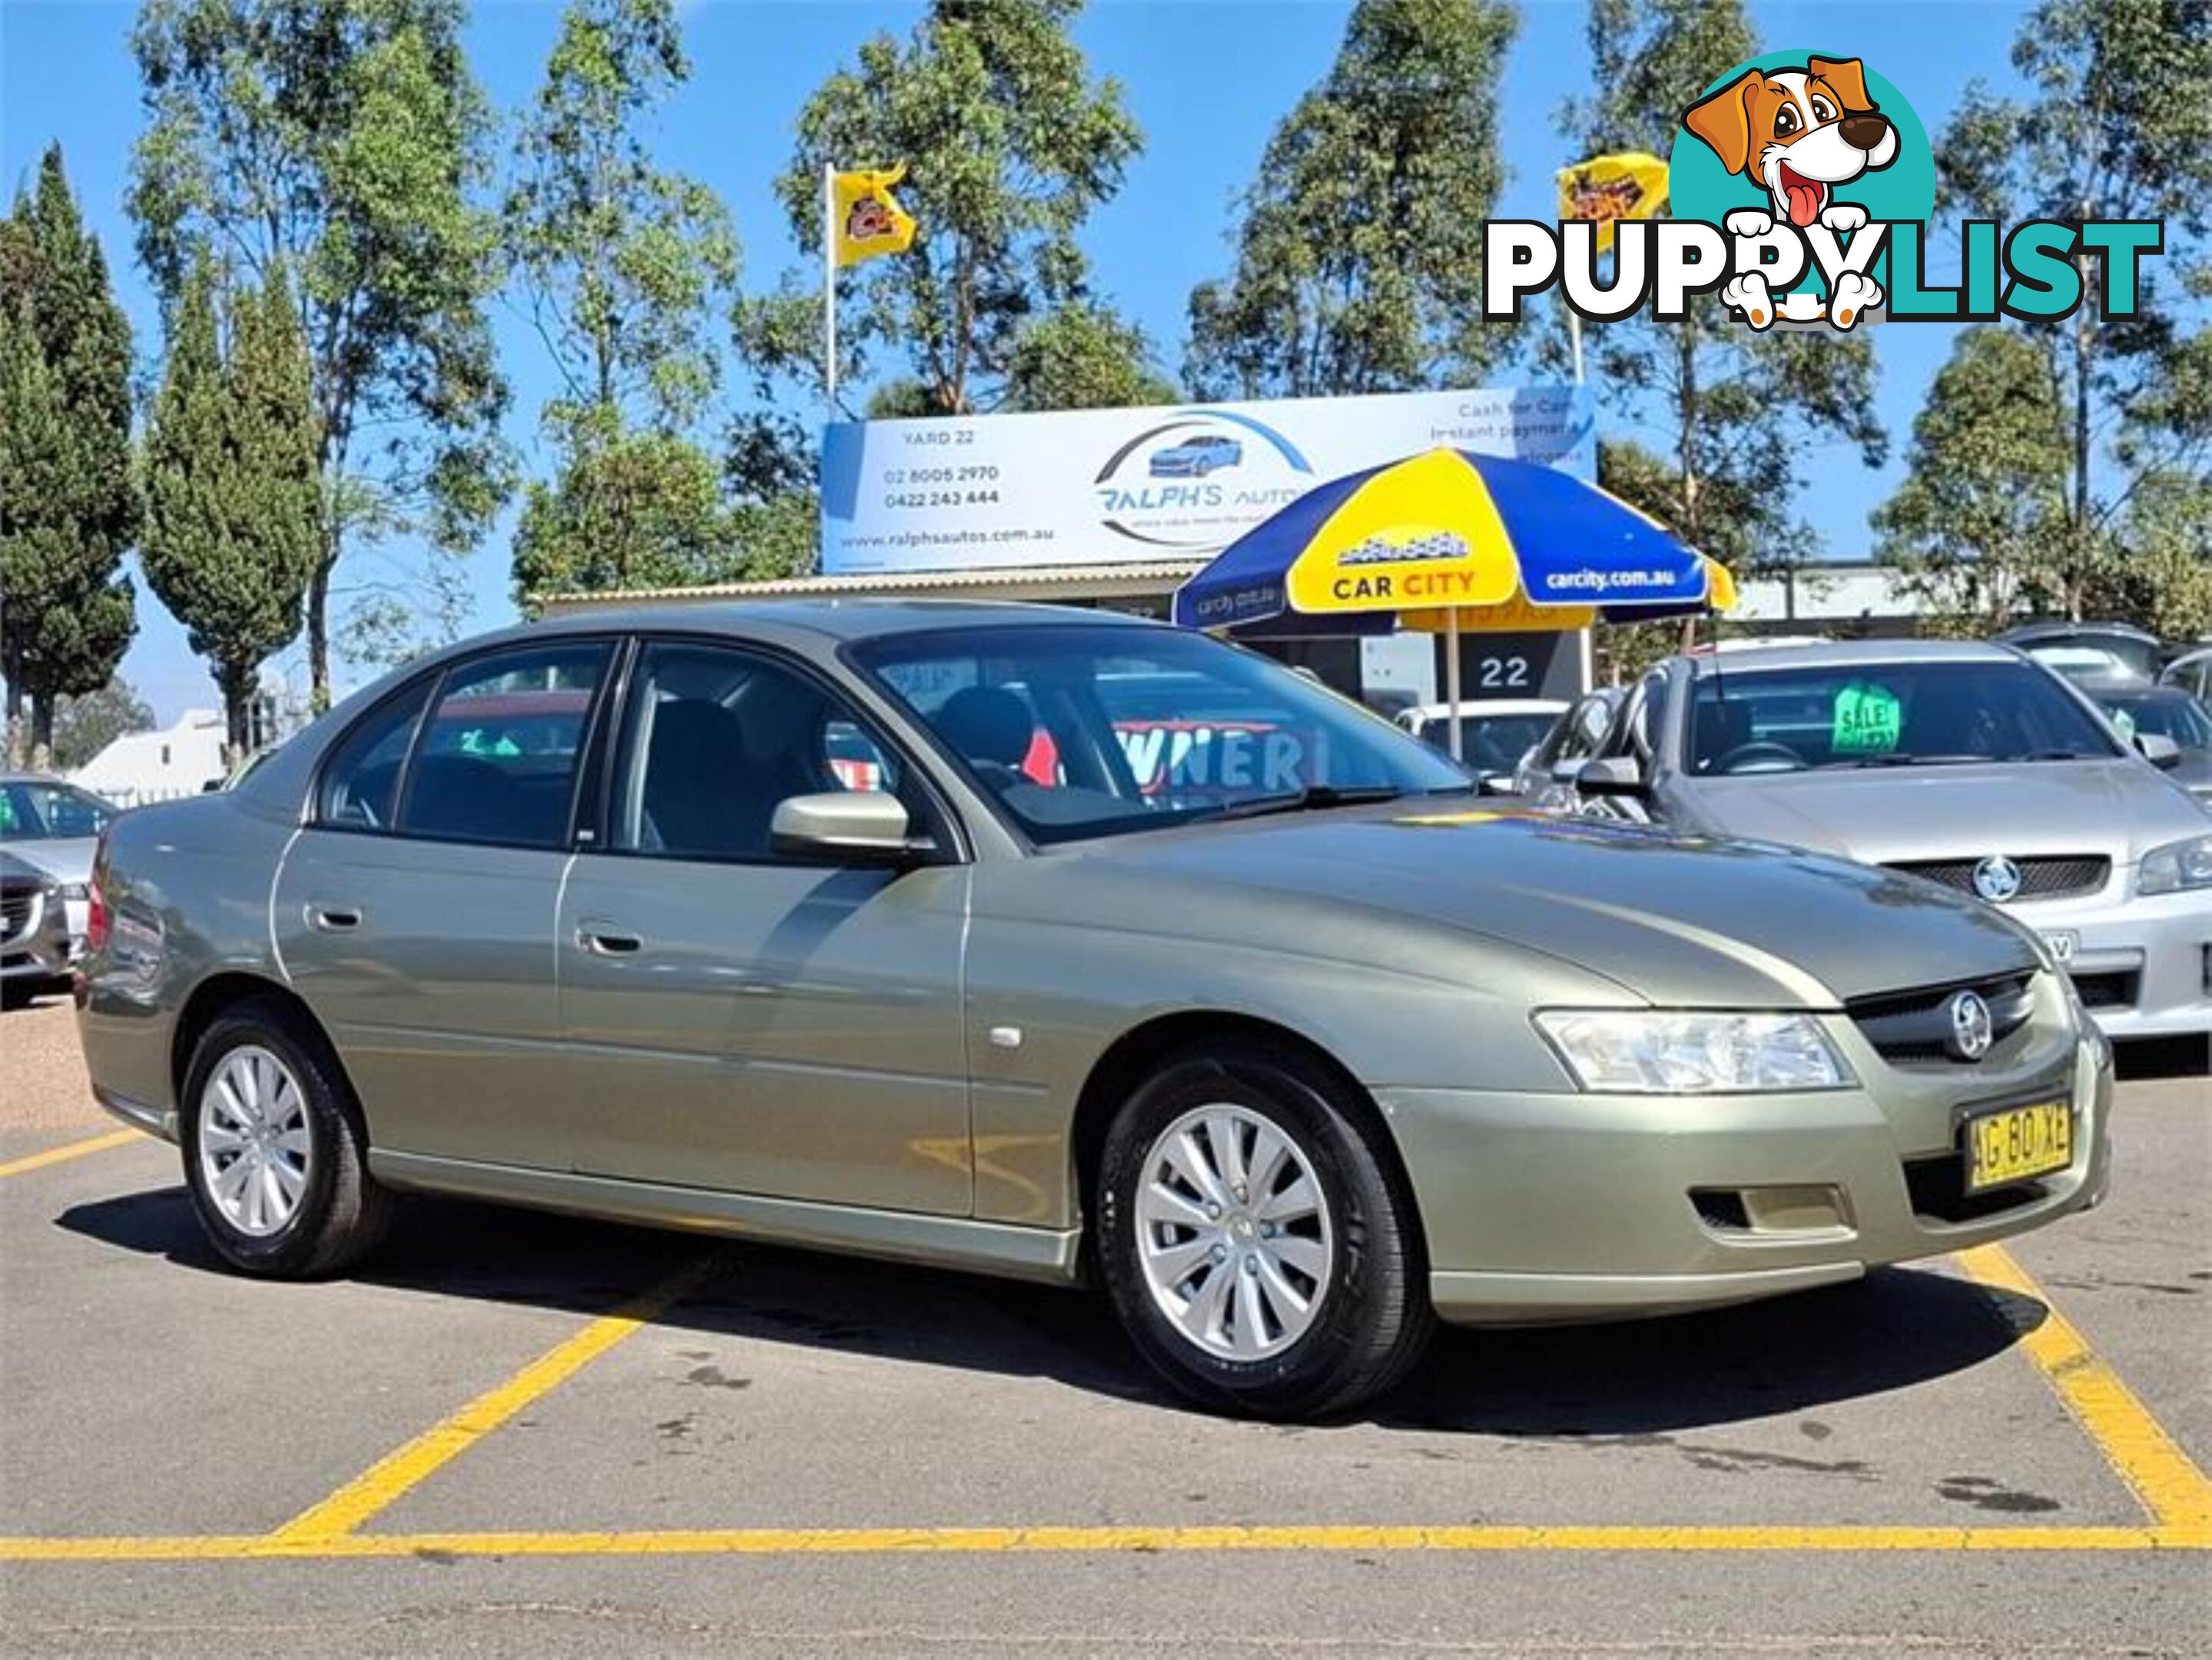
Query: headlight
1655,1052
2176,865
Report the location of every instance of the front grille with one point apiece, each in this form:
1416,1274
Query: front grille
15,913
1938,1189
1910,1028
2057,877
2115,989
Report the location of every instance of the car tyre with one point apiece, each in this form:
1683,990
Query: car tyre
274,1153
1356,1252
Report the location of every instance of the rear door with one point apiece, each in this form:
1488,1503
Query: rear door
738,1019
415,912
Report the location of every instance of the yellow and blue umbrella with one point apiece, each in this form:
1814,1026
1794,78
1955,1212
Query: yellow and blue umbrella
1452,538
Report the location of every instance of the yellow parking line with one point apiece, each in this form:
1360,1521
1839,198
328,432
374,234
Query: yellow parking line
2135,1444
384,1483
62,1154
791,1542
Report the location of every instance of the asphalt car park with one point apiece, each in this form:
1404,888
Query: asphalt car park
510,1431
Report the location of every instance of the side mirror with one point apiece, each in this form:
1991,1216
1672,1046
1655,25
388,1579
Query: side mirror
1566,771
1611,774
2159,749
847,827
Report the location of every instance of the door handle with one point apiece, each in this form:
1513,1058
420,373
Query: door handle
333,919
603,941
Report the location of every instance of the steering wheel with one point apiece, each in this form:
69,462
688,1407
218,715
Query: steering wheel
1760,750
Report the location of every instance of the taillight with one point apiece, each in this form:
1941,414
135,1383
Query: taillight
95,920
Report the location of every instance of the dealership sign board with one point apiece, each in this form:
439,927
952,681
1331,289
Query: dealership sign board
1168,482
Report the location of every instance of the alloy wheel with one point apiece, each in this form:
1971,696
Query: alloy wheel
254,1144
1234,1234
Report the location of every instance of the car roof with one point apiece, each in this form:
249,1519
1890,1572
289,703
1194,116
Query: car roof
2035,633
840,618
2115,685
1850,654
8,776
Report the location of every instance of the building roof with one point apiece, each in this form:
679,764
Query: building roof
1008,582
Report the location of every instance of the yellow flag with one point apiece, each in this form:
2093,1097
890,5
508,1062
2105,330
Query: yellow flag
1609,188
865,220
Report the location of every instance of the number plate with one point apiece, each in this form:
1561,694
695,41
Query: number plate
2063,943
2017,1143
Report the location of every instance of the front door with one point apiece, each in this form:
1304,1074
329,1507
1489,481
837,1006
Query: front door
415,912
738,1020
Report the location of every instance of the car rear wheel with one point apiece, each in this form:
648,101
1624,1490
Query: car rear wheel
273,1151
1260,1249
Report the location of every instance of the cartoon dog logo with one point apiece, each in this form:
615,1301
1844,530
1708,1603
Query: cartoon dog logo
870,221
1799,133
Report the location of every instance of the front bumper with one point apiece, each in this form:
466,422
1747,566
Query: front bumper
1573,1206
2143,966
41,948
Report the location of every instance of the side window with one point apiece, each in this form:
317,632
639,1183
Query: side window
360,780
714,737
496,760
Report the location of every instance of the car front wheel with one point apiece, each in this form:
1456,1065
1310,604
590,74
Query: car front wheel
273,1151
1259,1247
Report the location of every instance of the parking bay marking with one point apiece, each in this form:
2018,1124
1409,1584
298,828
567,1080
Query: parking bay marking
384,1483
25,1166
2135,1444
2170,1487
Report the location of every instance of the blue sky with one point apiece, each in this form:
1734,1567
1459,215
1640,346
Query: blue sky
1207,79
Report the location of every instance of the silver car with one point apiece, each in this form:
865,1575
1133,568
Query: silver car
53,826
1964,764
904,930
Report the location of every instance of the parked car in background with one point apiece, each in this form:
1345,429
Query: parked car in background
1291,1069
2134,708
1194,458
55,826
1966,764
2192,673
1494,733
2089,651
34,938
1545,775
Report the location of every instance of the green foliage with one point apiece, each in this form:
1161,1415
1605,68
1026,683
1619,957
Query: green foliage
629,509
1010,145
1358,266
1979,525
87,723
69,506
233,490
1740,413
2117,125
344,141
626,269
1080,355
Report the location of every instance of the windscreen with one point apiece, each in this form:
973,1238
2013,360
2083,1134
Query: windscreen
1897,714
1082,730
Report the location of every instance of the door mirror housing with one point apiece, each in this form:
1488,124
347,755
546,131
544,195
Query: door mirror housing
2159,749
1611,774
847,827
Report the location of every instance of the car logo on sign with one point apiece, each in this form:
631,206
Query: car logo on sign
1996,879
1971,1030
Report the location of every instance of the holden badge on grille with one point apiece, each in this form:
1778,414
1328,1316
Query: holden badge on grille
1996,879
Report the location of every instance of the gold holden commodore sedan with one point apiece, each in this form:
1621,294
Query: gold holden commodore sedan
1067,946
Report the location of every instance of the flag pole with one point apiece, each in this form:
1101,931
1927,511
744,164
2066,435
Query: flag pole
829,286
